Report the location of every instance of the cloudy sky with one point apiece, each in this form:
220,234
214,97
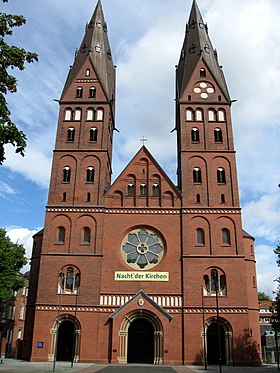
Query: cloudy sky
146,38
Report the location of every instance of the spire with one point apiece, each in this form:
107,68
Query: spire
95,45
197,45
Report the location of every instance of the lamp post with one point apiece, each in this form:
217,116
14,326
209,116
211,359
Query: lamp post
74,335
57,326
216,282
275,325
204,336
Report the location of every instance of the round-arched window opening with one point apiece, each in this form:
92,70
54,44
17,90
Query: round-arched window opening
142,249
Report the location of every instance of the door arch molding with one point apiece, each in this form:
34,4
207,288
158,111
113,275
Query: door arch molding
158,335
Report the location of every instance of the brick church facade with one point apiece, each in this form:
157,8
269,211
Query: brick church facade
141,270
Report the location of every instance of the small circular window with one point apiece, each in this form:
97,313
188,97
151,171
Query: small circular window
142,249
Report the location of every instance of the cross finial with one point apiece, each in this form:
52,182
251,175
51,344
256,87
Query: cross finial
143,140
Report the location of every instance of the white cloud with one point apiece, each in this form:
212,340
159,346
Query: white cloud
267,270
6,190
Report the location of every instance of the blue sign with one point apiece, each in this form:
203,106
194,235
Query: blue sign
40,344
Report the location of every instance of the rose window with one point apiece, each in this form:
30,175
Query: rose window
142,249
203,89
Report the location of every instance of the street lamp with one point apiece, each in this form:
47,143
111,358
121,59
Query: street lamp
215,278
204,336
57,324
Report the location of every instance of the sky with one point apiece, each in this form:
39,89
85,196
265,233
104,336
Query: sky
146,39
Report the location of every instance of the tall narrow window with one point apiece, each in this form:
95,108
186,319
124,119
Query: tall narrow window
88,197
196,175
61,235
64,197
69,280
68,114
202,73
218,135
90,175
99,114
92,92
211,115
198,115
143,189
86,236
221,115
78,114
223,199
66,174
93,134
79,92
131,189
221,176
225,236
195,134
90,114
197,198
87,72
200,237
155,190
189,114
71,134
21,312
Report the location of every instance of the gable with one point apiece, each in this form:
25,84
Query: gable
143,183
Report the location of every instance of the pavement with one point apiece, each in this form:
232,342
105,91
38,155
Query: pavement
16,366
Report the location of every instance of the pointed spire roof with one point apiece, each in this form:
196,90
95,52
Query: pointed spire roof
95,45
197,45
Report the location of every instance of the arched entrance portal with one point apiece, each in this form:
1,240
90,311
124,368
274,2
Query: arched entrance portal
65,343
140,342
213,344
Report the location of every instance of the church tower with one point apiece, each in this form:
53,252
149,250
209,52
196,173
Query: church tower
141,270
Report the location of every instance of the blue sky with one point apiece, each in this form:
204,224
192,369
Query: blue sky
146,38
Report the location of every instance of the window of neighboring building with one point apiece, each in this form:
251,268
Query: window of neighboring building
200,236
99,114
79,92
66,174
225,236
69,280
92,92
130,189
19,334
71,134
155,190
21,312
214,281
197,175
61,235
218,135
195,134
93,134
143,189
90,175
78,114
221,176
86,236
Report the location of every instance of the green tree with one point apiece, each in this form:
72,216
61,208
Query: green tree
12,259
10,57
263,296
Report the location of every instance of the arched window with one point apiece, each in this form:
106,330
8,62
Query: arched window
195,134
69,280
90,114
202,73
90,175
93,134
221,176
131,189
211,115
196,175
221,115
155,190
218,135
189,114
92,92
99,114
198,115
143,189
61,235
68,114
79,92
225,236
215,282
78,114
200,236
71,134
86,236
66,174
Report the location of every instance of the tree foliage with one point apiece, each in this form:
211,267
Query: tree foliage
12,259
276,306
263,296
11,57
